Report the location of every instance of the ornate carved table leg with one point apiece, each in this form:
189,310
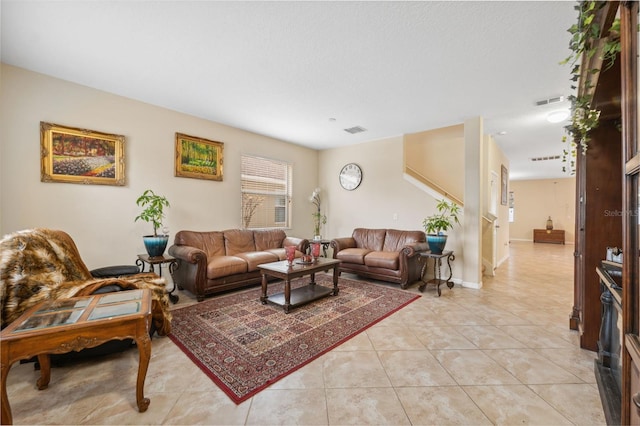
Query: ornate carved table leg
336,274
140,264
437,263
173,265
450,259
5,366
143,341
45,371
422,272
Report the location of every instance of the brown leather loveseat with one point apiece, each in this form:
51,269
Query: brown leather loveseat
382,254
216,261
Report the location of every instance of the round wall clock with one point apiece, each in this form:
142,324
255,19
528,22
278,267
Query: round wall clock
350,176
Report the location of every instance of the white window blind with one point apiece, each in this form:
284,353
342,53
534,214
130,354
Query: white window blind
266,192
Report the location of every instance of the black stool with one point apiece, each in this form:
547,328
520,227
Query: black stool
115,271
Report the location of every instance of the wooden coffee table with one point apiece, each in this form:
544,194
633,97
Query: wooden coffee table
66,325
301,295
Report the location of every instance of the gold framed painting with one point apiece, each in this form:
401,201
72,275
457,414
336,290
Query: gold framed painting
74,155
198,158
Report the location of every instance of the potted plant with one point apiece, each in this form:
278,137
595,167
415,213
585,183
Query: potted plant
153,213
436,225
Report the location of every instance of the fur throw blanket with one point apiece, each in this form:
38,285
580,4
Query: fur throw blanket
43,264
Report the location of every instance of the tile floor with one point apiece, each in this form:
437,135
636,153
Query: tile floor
501,355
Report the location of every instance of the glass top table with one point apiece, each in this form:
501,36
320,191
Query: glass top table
65,325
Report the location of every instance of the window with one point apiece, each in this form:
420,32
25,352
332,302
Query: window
266,192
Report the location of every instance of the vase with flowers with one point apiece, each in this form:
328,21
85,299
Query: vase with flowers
319,219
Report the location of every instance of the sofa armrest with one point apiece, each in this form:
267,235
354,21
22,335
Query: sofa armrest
191,272
338,244
188,254
413,249
302,244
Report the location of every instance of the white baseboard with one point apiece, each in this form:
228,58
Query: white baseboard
468,284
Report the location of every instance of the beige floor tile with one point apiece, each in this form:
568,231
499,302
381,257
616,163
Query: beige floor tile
575,360
414,368
580,403
489,337
359,342
394,337
473,367
446,405
308,377
288,407
514,405
354,369
531,367
373,406
207,408
536,336
118,409
439,337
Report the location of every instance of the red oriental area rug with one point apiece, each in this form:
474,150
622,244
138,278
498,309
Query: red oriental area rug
245,346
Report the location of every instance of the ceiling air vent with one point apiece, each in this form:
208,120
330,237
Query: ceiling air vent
356,129
549,101
550,157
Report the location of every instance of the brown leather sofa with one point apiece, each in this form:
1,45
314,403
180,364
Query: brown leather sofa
382,254
217,261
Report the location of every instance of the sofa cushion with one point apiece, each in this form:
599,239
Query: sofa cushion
372,239
353,255
255,258
212,243
395,239
383,259
268,239
222,266
238,241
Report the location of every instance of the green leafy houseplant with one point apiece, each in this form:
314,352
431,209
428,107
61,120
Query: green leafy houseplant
437,224
153,209
588,39
444,220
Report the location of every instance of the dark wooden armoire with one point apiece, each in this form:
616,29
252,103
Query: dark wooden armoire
608,216
598,203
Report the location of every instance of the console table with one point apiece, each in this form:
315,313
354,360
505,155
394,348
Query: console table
554,236
65,325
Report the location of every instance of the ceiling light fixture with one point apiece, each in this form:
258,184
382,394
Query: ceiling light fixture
558,116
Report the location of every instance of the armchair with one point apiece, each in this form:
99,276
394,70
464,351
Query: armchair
40,264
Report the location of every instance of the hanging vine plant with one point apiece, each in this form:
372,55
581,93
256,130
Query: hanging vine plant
589,38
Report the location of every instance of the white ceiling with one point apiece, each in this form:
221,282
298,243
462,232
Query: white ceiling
304,71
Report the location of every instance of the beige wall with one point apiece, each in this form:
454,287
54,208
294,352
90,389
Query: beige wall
384,199
536,200
437,155
101,218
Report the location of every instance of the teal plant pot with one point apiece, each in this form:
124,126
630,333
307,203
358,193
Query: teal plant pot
436,243
155,245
